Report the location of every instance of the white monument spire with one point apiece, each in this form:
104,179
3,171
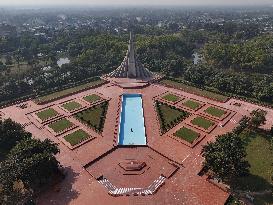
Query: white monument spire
130,66
131,58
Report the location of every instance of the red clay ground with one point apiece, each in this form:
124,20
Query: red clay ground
109,167
79,187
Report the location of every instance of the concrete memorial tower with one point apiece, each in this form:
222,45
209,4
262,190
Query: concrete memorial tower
131,67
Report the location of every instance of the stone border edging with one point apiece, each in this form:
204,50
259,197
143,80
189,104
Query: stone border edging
61,138
69,94
191,145
169,86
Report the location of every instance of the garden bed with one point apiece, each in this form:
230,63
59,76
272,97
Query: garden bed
76,137
47,114
171,97
71,106
187,134
60,125
216,112
169,116
202,123
195,90
92,98
94,117
192,104
67,92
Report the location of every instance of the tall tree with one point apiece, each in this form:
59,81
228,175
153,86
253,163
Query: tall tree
257,118
10,134
29,165
226,157
35,161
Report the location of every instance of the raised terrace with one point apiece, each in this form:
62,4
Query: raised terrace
130,144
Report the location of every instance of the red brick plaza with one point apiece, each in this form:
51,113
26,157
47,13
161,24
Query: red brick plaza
165,171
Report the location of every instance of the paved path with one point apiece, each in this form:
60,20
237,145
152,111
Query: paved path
184,187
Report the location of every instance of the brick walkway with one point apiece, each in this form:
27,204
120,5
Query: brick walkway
79,187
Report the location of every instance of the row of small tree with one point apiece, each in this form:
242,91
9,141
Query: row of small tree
165,126
104,107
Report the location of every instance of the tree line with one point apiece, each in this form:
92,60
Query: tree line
253,55
259,87
92,53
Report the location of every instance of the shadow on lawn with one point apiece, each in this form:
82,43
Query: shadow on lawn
265,199
249,135
62,192
252,183
256,184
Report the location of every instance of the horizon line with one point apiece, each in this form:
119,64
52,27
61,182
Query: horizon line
132,5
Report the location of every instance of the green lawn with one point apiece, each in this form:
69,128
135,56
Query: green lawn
187,134
68,91
94,116
76,137
169,116
192,104
260,157
70,106
202,122
60,125
92,98
195,90
215,111
171,97
46,114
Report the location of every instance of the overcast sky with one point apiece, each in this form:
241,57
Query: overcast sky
135,2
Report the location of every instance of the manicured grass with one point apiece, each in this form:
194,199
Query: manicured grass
187,134
46,114
60,125
70,106
169,116
194,90
92,98
171,97
76,137
68,91
202,122
94,117
215,111
260,157
192,104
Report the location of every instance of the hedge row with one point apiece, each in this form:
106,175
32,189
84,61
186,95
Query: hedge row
167,126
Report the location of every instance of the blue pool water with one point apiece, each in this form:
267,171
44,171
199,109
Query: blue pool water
131,127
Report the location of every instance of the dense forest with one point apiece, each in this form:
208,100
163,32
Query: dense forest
253,55
237,57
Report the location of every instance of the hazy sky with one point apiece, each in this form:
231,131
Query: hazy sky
135,2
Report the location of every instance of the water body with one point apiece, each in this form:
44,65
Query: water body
63,61
132,128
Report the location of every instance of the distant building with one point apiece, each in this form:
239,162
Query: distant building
7,30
